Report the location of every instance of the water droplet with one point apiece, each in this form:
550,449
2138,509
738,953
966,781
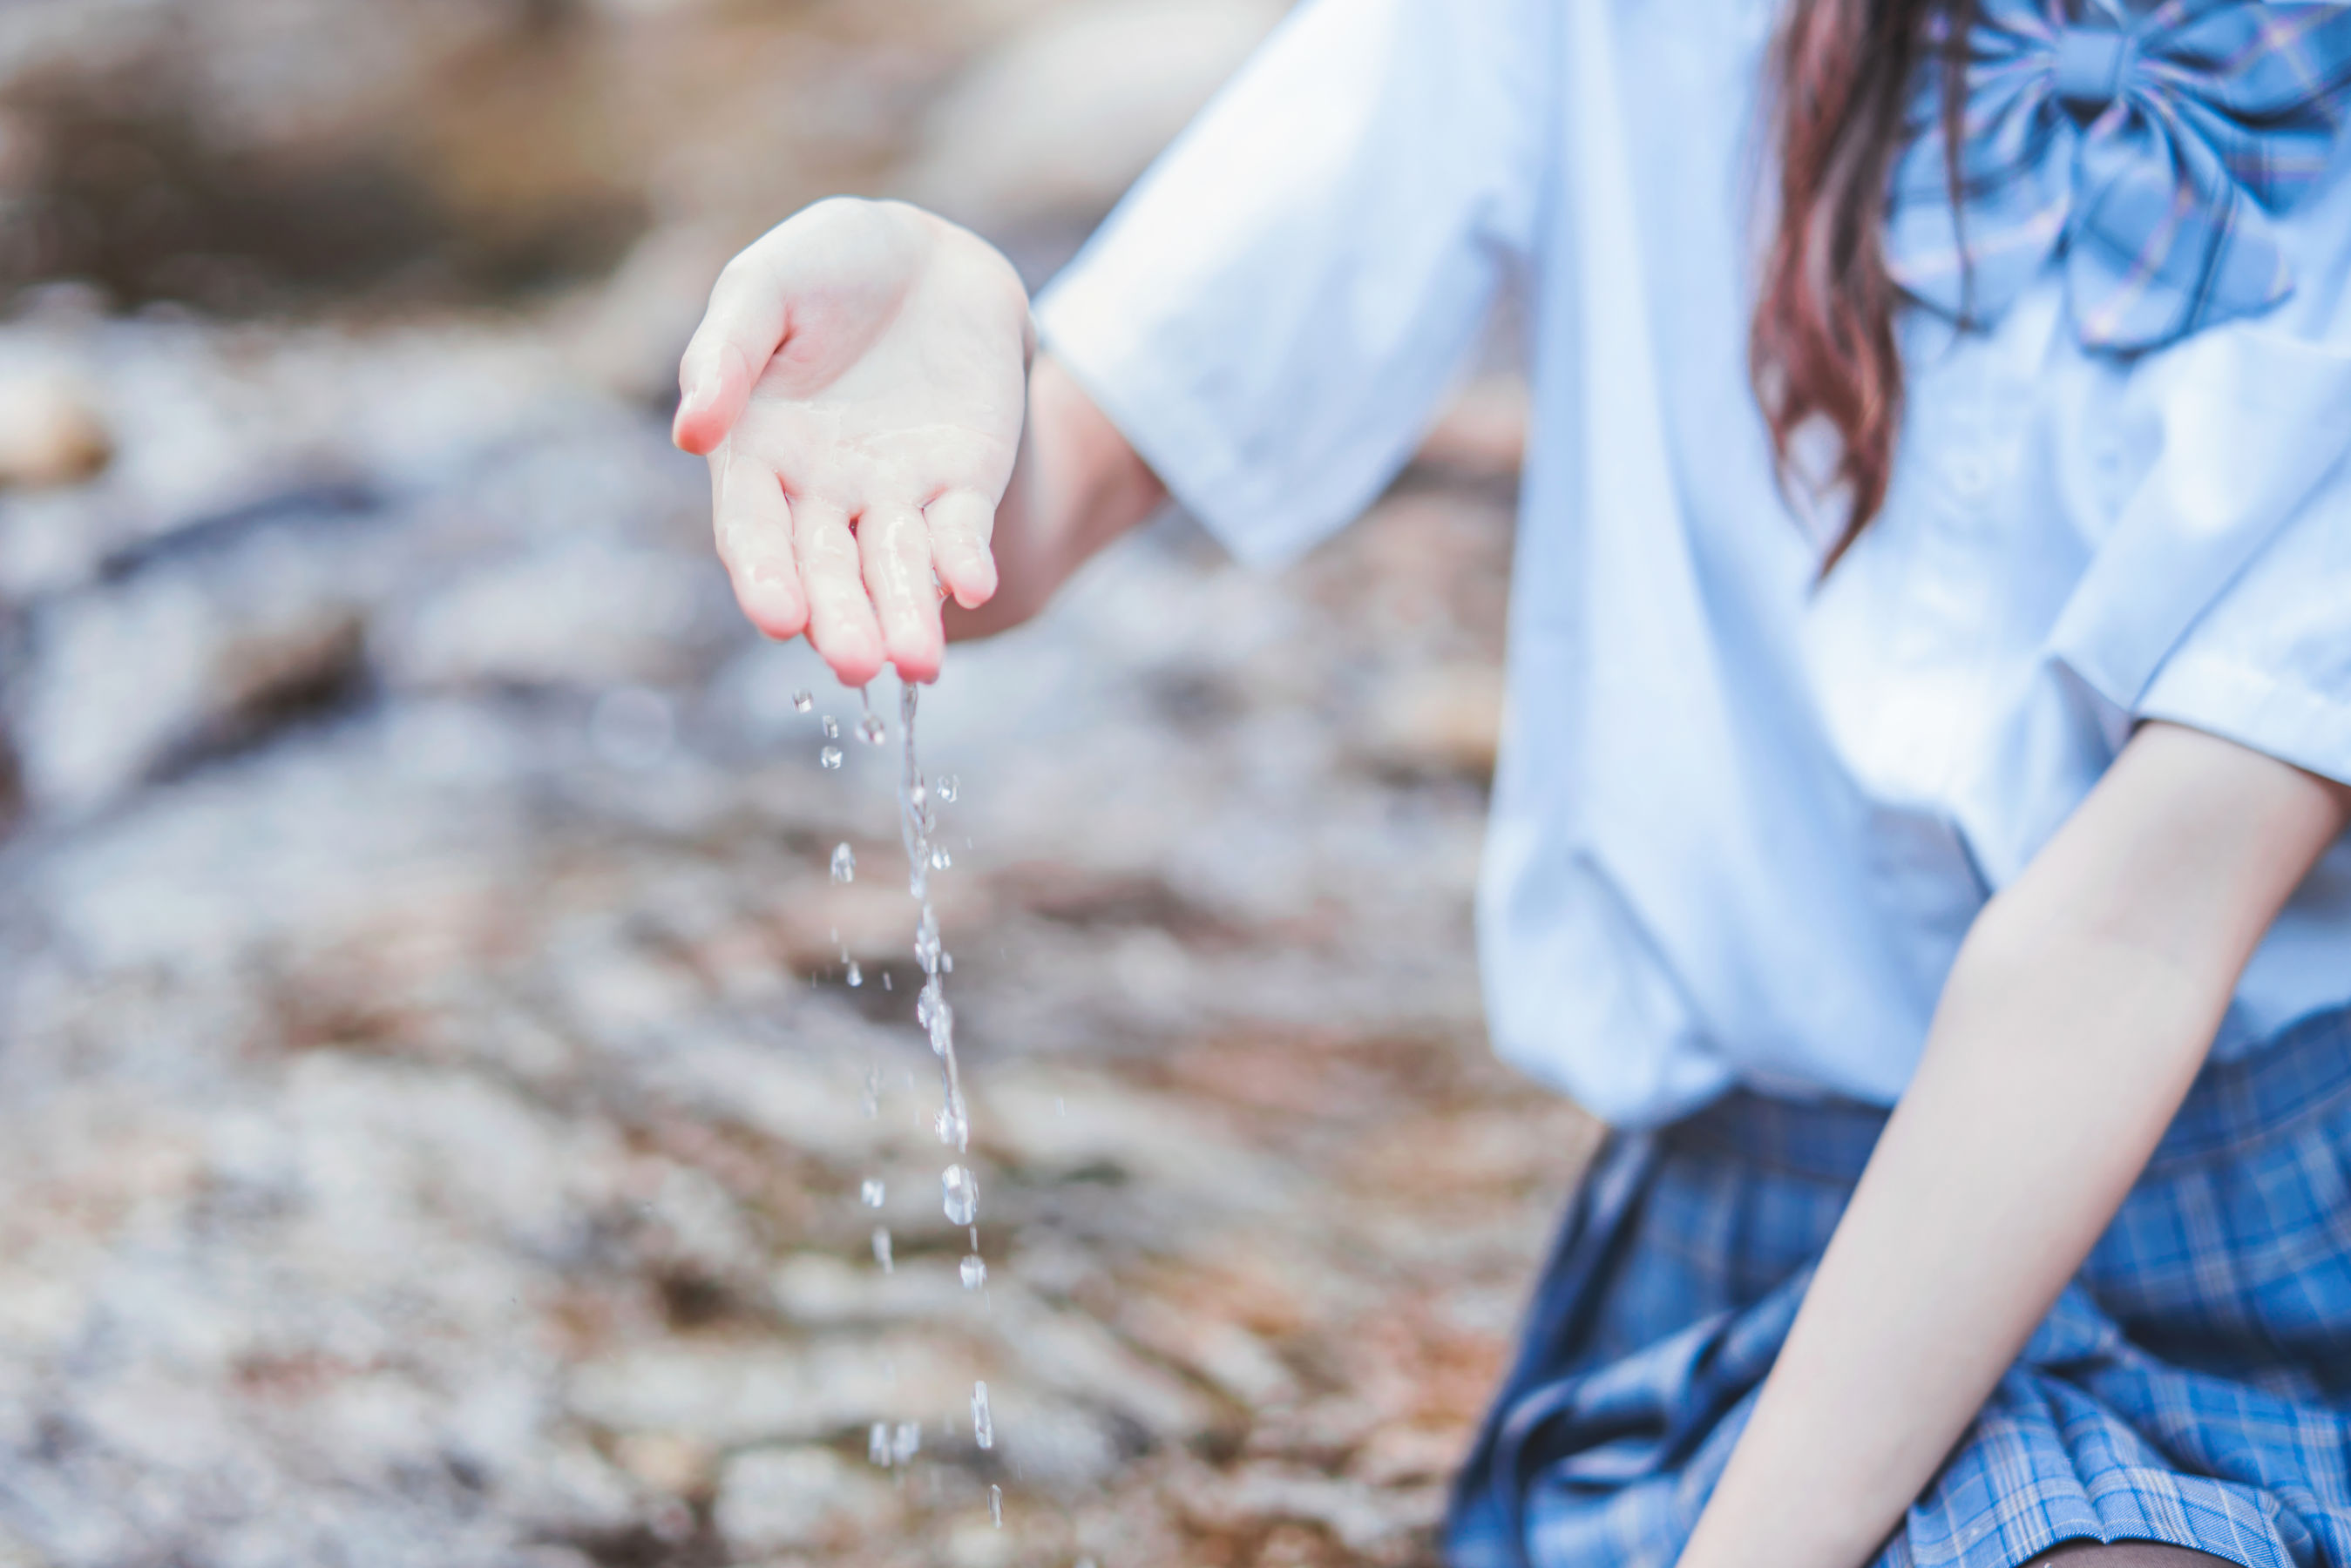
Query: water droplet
951,1127
874,730
974,1271
802,701
885,979
832,728
873,1192
906,1441
932,1012
829,756
882,1249
947,963
996,1506
940,860
947,787
983,1424
877,1443
961,1193
856,975
874,1088
845,863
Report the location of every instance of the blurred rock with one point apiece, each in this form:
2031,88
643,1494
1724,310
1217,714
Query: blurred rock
580,612
976,1544
1362,1520
1063,1123
634,328
682,1467
729,1395
16,1553
570,1491
1060,1447
221,152
50,430
1437,720
818,1291
1483,433
1076,1356
1053,126
1222,1353
1400,1455
772,1500
121,684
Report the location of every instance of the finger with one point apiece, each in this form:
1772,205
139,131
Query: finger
841,617
740,331
753,523
961,522
896,547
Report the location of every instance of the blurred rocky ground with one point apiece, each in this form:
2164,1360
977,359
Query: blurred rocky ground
435,1116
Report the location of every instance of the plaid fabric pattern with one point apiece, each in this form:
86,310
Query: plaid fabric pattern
2192,1386
2151,142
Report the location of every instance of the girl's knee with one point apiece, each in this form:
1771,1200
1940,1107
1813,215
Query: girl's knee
2122,1555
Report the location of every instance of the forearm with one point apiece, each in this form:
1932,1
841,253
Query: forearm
2071,1028
2050,1076
1078,485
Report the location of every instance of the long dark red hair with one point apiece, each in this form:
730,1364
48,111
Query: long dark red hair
1822,346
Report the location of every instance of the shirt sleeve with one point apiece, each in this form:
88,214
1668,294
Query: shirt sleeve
2268,663
2221,598
1270,315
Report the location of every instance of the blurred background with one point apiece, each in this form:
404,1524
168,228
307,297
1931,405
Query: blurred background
434,1109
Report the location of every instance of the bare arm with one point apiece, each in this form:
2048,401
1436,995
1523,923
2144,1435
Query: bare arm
1078,486
2079,1011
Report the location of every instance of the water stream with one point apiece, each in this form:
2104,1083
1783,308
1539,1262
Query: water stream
894,1444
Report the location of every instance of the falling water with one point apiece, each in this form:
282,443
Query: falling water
959,1194
891,1445
917,820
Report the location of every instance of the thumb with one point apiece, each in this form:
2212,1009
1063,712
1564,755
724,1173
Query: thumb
739,333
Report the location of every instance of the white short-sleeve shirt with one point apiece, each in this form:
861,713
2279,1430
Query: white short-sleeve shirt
1742,816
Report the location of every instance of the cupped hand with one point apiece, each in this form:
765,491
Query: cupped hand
858,384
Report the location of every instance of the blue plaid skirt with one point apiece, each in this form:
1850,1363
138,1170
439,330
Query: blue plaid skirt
2192,1386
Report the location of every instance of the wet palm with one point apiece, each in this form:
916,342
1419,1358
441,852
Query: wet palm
858,385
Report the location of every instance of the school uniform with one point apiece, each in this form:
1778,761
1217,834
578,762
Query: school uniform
1744,814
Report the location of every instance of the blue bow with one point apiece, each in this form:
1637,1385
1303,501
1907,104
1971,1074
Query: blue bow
2152,144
